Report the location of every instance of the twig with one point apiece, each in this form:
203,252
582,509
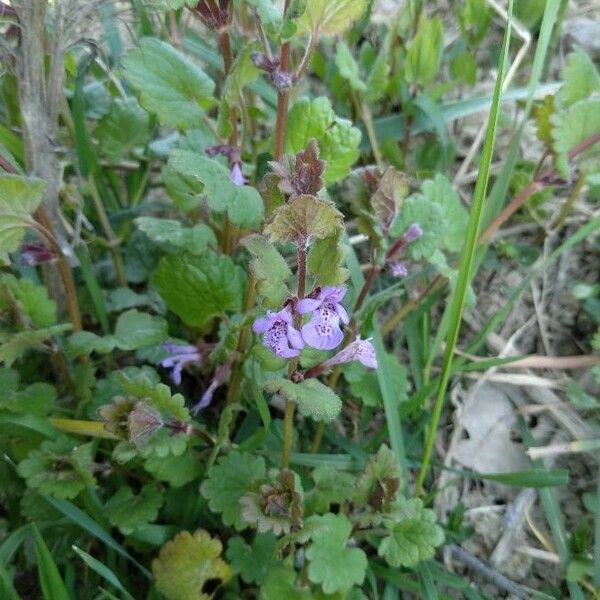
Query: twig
282,98
477,565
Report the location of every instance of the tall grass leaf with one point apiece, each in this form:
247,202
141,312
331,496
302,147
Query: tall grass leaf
464,272
428,589
88,524
93,287
51,582
7,591
597,535
102,570
391,404
554,516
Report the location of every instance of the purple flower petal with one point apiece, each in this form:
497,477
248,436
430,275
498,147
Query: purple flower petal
307,305
295,338
322,337
413,232
332,293
236,174
342,313
262,324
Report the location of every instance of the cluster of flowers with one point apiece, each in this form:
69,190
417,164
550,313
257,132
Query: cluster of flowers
322,332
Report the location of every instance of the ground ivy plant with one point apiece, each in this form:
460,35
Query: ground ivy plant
192,383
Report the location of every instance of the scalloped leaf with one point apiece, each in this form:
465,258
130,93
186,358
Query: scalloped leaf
326,260
170,84
303,220
32,300
175,237
200,288
414,535
228,480
177,471
129,511
159,395
337,138
269,269
19,198
330,17
60,468
186,563
581,79
252,562
314,399
331,563
243,203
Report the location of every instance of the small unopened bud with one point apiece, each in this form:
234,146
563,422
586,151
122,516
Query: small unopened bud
413,233
236,174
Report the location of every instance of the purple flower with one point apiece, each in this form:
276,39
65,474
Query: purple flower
236,174
279,334
179,356
414,232
398,269
323,330
360,350
35,253
220,377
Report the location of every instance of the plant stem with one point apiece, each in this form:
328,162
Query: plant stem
282,98
113,242
536,185
288,419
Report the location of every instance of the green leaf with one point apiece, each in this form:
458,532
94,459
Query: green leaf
337,139
129,512
252,562
185,191
133,330
438,210
169,83
137,330
572,126
159,395
176,237
186,563
348,67
463,67
314,399
14,345
36,399
228,480
122,129
474,20
332,486
19,198
243,72
378,78
425,52
330,17
32,299
378,485
331,563
414,535
326,260
177,471
200,288
581,79
243,203
281,583
53,587
269,269
543,112
304,219
59,468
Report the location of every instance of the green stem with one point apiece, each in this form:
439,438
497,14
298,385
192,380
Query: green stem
288,419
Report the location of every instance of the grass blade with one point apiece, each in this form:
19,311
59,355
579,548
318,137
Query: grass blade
102,570
85,522
466,262
7,591
53,587
391,404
